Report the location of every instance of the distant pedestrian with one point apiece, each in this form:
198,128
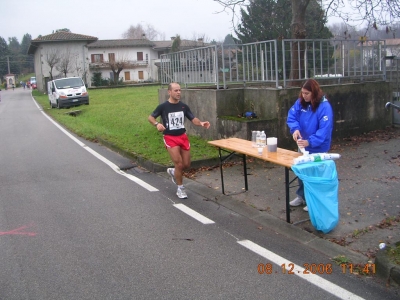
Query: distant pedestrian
310,121
173,113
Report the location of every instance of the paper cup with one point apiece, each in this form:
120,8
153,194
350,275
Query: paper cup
272,144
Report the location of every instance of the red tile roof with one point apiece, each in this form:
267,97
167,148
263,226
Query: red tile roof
64,36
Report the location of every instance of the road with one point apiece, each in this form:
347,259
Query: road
74,226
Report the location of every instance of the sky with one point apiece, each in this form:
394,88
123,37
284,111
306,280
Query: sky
109,19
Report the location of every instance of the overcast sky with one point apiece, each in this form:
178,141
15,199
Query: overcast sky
109,19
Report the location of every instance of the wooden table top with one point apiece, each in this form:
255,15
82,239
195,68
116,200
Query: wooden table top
282,157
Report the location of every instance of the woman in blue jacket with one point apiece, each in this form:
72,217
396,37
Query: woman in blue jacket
310,121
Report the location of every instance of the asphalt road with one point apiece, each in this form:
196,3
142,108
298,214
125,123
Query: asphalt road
74,226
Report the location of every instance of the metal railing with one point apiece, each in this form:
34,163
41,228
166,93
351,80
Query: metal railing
276,63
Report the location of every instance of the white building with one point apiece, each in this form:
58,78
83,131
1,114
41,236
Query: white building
132,56
61,54
64,54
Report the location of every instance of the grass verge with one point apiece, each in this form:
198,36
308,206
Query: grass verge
119,116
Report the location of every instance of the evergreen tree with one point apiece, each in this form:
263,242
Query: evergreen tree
27,65
3,57
268,19
14,49
176,44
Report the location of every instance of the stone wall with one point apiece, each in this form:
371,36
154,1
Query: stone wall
357,107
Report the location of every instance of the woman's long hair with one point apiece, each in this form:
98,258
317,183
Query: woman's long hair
316,94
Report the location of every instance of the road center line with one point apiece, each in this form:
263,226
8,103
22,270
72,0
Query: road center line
312,278
99,156
193,214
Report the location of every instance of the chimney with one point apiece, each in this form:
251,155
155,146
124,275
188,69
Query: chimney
143,36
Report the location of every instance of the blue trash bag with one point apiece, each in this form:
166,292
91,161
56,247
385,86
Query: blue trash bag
321,187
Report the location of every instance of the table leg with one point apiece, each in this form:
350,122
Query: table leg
221,171
246,185
287,183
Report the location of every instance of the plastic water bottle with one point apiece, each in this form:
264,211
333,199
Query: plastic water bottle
263,139
258,139
302,149
254,138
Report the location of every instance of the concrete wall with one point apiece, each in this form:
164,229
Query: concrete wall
357,107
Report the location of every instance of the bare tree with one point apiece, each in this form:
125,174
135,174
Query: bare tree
117,65
78,66
65,64
52,58
138,32
200,36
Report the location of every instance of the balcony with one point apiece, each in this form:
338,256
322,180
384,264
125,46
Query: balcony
129,64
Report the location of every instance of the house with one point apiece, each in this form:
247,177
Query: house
63,54
138,58
132,56
60,54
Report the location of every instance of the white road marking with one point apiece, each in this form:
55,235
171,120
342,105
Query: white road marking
193,214
312,278
99,156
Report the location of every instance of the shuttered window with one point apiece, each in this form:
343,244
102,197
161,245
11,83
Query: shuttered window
111,57
97,58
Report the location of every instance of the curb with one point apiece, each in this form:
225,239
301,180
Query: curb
386,269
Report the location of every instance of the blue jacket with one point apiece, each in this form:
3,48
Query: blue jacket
316,127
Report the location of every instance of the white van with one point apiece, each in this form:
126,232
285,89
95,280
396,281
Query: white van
66,92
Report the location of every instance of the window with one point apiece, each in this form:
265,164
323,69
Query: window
111,57
140,56
140,75
97,58
147,58
160,53
127,76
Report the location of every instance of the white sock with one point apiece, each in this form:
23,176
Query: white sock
181,186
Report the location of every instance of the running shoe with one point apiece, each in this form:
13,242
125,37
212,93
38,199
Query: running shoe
171,171
181,193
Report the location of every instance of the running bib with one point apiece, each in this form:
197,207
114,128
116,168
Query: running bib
176,120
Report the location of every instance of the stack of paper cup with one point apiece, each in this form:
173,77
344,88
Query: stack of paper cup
272,144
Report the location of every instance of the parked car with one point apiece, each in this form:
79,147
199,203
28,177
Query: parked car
67,92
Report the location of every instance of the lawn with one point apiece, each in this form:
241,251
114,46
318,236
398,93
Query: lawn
119,116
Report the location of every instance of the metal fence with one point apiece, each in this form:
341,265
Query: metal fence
276,63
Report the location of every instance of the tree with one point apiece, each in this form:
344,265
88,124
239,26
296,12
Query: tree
4,52
27,65
63,30
229,40
65,63
268,19
370,13
176,44
116,66
14,55
139,32
52,58
374,13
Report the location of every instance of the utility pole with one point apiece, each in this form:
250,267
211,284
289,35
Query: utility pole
8,64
